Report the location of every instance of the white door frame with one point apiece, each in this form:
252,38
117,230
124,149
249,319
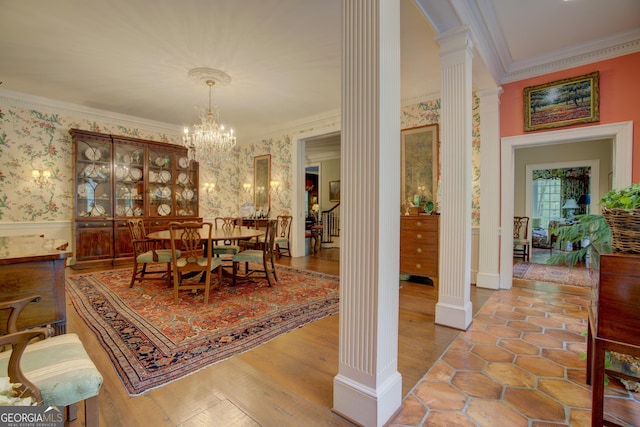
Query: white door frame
622,136
298,168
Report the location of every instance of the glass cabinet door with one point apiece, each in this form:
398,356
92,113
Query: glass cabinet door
93,177
161,191
186,188
128,171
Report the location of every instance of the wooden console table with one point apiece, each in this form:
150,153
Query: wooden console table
35,265
614,321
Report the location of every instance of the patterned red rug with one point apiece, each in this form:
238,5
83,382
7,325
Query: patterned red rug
152,342
562,275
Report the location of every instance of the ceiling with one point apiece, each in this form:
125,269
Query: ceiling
132,57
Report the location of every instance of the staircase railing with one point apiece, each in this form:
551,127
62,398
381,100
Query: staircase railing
330,224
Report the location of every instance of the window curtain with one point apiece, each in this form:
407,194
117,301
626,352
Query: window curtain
575,181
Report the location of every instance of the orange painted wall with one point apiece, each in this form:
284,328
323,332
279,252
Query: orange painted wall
619,98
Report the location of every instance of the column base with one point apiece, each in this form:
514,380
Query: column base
366,406
488,281
454,316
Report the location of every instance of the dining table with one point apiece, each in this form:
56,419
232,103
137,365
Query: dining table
217,235
238,233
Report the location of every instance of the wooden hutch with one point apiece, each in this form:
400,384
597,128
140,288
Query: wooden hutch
117,178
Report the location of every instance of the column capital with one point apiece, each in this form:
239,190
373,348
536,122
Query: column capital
456,39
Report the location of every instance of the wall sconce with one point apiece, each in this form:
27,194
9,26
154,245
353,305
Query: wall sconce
41,177
275,187
246,187
260,189
209,187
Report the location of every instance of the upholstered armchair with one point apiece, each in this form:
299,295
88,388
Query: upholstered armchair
54,370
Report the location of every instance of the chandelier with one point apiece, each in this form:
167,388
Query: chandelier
209,140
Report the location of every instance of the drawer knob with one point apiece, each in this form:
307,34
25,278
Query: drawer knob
419,223
418,266
418,236
419,250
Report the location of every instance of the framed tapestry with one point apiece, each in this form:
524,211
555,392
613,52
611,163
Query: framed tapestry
562,103
419,164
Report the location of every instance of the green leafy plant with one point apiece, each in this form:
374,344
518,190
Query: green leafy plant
625,198
591,229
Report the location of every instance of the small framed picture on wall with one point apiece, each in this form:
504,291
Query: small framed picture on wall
334,191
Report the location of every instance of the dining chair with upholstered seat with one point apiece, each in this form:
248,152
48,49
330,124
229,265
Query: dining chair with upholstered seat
147,252
226,247
283,234
255,242
521,242
54,371
191,253
263,256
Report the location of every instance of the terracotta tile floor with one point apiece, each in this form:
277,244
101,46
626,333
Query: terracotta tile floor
518,364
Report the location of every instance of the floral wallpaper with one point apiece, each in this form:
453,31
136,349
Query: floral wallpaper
39,139
427,113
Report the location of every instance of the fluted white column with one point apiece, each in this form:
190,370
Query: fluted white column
454,305
489,251
368,387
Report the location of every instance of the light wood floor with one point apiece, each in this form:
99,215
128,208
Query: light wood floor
288,381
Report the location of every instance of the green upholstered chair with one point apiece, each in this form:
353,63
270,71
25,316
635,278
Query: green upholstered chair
226,247
191,253
521,241
263,256
283,234
55,371
147,252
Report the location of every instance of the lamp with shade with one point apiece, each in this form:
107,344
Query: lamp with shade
570,205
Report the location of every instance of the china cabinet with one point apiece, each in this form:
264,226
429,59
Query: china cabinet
117,178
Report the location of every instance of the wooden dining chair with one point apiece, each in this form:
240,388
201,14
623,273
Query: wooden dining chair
263,256
283,234
147,252
226,247
54,371
191,253
255,242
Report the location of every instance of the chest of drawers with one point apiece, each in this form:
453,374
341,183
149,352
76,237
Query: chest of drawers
419,245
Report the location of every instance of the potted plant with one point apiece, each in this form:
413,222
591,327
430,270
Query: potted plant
617,229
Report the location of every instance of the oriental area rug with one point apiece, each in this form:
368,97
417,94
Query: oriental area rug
152,341
562,275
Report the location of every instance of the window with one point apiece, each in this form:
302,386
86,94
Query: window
546,200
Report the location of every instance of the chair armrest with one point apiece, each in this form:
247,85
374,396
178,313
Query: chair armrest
19,342
16,307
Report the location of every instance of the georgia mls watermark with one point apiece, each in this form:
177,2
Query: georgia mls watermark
31,416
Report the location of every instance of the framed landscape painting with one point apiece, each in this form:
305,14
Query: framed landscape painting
334,191
562,103
419,164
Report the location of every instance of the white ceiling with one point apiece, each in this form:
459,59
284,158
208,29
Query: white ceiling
132,57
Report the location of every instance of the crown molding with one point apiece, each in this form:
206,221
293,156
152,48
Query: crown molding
600,50
76,111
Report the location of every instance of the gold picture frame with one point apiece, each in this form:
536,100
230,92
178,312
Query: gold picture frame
261,181
562,103
334,191
419,164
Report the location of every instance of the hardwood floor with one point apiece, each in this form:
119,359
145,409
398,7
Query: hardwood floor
287,381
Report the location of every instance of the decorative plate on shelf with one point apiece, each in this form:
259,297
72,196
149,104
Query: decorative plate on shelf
163,193
93,153
83,190
164,176
183,178
98,210
164,209
188,194
183,162
136,174
91,171
428,206
161,161
121,172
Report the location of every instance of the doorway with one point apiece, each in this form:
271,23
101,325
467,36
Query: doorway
621,136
